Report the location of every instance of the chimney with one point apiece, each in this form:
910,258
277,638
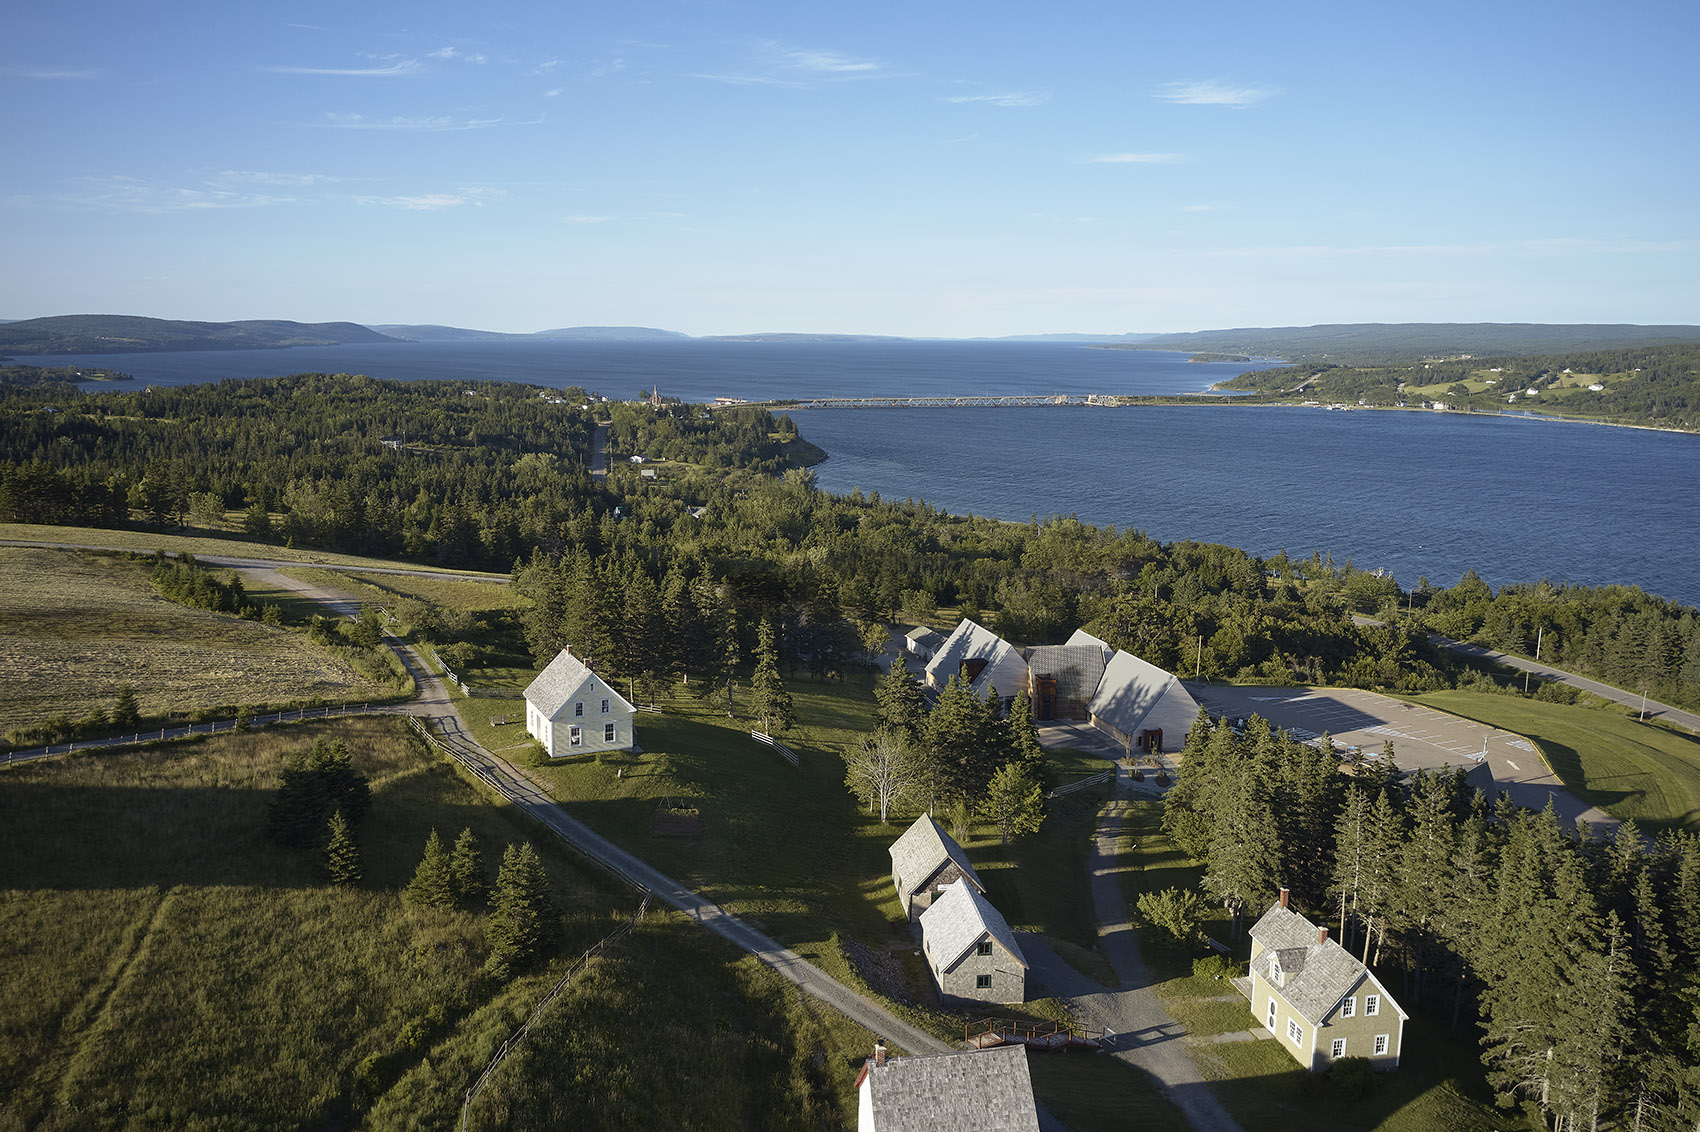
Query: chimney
1284,894
1322,934
879,1053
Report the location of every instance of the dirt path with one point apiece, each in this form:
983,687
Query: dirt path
1138,1030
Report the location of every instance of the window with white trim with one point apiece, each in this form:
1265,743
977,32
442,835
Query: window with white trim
605,704
1294,1032
1338,1049
607,732
1348,1008
578,708
1372,1004
1380,1044
575,736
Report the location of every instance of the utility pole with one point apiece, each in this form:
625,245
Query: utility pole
1198,665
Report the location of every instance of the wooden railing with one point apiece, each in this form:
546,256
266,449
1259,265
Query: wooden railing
785,752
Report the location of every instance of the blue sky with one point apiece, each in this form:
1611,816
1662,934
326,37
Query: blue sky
934,168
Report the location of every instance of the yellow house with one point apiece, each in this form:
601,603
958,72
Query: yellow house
1319,1002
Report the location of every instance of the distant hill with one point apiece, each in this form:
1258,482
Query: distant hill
1077,339
433,333
132,334
1390,343
612,334
804,337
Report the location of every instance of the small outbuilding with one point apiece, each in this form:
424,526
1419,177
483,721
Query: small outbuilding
922,642
573,711
923,861
970,950
974,1091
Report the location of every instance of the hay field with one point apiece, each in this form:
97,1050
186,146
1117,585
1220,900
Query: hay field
74,627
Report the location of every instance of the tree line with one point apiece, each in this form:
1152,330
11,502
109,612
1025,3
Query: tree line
1579,955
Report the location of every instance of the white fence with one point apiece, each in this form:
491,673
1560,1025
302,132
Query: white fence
1083,783
785,752
186,731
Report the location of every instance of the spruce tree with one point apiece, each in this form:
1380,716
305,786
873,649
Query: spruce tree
126,715
1014,802
466,869
340,856
768,697
523,920
432,885
1023,738
898,704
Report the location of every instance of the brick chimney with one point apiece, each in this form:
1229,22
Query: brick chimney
1322,934
1285,893
879,1052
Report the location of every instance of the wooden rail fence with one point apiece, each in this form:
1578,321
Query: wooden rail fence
785,752
1083,783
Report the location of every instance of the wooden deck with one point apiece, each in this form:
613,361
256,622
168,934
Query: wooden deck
1055,1037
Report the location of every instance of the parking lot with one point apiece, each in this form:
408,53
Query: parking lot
1422,739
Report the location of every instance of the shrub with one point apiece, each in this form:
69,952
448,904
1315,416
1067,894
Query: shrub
1215,967
1354,1077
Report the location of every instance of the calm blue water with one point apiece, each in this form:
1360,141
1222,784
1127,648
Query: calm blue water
1417,493
702,371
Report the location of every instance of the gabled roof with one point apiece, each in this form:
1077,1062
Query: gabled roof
924,847
976,1091
929,639
1082,637
957,921
1077,669
973,641
1318,975
560,682
1131,687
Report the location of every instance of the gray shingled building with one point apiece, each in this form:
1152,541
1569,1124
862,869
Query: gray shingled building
970,949
923,861
974,1091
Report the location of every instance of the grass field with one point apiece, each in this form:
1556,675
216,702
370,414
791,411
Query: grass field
206,542
74,627
1627,768
1439,1083
163,965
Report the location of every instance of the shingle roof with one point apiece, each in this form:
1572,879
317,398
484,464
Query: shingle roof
929,639
561,680
956,922
977,1091
973,641
1077,669
1318,975
922,849
1082,637
1130,689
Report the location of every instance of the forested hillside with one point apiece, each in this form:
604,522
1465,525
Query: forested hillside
1637,385
125,334
1392,343
1576,959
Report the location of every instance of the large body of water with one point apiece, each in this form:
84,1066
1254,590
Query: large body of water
1417,493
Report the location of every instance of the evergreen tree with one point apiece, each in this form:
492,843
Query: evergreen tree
432,885
314,784
466,869
340,859
523,920
768,697
126,715
954,729
898,703
1023,738
1242,867
1014,802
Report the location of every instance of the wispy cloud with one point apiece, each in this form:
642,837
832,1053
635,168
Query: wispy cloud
780,65
586,219
16,71
133,194
556,93
446,53
1214,92
255,177
394,70
1135,159
542,68
443,124
434,202
1009,98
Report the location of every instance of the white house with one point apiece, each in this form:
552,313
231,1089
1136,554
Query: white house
573,711
1142,705
975,1091
982,658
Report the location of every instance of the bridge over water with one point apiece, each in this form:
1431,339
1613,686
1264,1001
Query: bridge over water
998,401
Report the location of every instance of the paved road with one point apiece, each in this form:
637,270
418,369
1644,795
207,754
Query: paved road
1655,710
1137,1028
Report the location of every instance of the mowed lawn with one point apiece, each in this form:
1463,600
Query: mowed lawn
1628,768
74,627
